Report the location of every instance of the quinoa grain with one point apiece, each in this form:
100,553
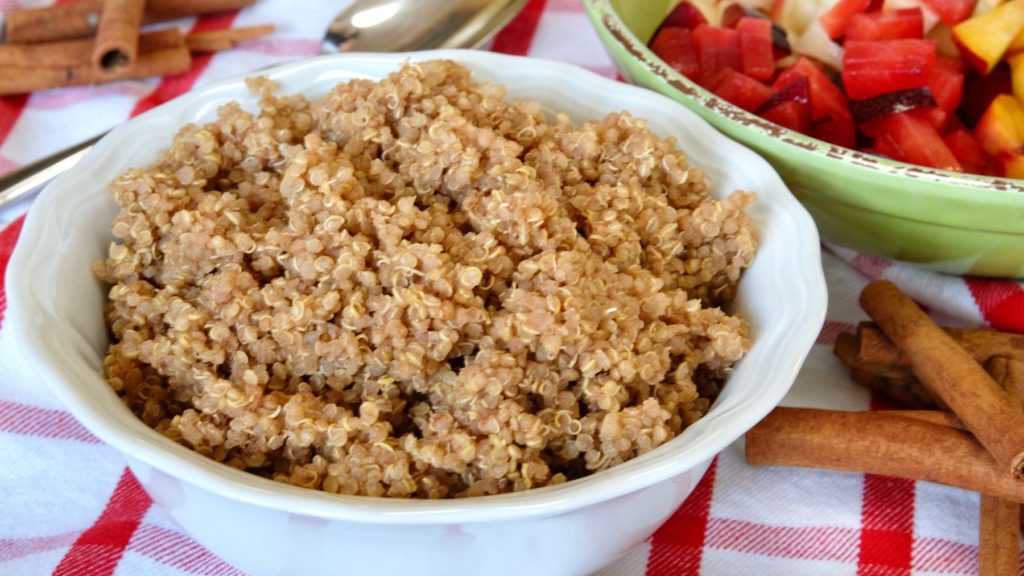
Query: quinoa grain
418,288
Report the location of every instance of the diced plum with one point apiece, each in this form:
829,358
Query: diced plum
979,91
919,142
684,15
740,89
797,89
755,38
984,39
827,99
675,46
872,109
790,114
717,49
906,23
837,19
876,67
968,152
951,12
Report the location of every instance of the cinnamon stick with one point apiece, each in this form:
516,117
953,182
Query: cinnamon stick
117,34
216,40
17,80
999,537
71,53
80,19
876,348
932,416
1009,374
950,373
878,443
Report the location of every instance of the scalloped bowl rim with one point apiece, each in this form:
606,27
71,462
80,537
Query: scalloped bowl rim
51,347
970,185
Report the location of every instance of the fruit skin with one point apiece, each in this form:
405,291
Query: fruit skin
985,38
871,68
868,111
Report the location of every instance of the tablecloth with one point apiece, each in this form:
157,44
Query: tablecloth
68,504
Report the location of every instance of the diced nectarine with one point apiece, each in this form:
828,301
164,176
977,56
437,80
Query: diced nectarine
1017,45
1001,128
984,39
1016,63
1011,165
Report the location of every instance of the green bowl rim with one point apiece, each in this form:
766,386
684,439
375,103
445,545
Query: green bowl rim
956,185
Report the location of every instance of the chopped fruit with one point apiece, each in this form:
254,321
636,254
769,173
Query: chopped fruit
979,92
792,114
740,89
1016,63
797,90
919,142
871,109
684,15
1001,128
717,48
675,46
871,68
968,152
938,83
906,23
837,19
756,57
984,39
838,131
827,100
952,11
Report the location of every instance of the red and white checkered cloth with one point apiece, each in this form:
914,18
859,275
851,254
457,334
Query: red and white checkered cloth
69,505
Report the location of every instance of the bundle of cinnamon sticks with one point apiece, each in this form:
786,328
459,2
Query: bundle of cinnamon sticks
963,424
92,41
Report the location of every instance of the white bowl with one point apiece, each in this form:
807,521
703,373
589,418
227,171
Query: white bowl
264,527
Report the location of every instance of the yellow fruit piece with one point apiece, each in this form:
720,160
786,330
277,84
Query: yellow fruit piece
1016,63
1017,45
984,39
1013,165
1001,128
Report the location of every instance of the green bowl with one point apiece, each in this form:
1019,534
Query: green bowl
936,219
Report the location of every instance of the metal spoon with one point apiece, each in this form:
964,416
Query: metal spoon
364,26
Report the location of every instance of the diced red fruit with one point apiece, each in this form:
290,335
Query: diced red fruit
684,15
837,18
1010,165
827,99
1001,128
796,90
732,14
675,46
876,67
919,142
979,91
947,87
755,39
740,89
839,131
892,25
951,12
869,111
790,114
887,147
984,39
968,152
717,49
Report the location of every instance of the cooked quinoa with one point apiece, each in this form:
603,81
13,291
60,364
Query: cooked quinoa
418,288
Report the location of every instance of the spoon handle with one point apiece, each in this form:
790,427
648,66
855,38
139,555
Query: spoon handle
28,180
